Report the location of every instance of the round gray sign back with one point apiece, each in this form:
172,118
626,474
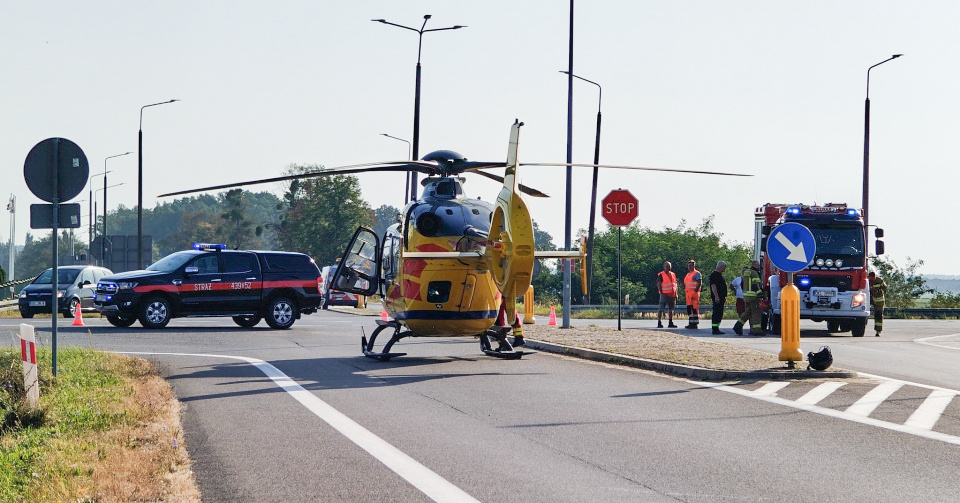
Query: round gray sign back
71,169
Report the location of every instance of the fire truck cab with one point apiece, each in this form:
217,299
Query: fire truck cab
834,287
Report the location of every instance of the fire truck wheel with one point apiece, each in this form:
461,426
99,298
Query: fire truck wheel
833,326
858,327
775,324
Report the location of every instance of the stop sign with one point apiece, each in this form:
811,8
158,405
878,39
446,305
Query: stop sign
619,207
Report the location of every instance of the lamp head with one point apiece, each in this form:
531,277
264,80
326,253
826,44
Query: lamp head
895,56
426,17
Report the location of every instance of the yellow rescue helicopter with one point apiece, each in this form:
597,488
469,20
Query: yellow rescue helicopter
452,265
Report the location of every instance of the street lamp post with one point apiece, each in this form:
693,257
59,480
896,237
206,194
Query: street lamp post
92,209
90,235
103,241
140,185
12,208
866,145
593,192
416,99
406,192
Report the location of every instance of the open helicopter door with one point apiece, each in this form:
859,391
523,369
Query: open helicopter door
359,270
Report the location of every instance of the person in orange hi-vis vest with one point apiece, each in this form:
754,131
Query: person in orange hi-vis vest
667,287
691,289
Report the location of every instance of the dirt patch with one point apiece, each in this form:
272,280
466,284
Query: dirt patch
147,461
657,345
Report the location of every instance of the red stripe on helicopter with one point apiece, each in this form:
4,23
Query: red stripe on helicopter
411,286
414,267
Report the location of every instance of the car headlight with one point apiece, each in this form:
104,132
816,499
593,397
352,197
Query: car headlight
819,262
127,285
838,263
23,295
857,299
829,262
60,293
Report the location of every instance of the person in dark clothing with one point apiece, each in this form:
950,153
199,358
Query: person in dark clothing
718,295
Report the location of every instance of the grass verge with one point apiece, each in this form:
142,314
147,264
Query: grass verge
107,429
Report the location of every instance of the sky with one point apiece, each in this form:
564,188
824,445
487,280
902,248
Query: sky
768,88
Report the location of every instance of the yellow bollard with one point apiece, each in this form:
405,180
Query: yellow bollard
528,318
361,302
790,324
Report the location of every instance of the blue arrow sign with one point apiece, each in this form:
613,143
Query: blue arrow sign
791,247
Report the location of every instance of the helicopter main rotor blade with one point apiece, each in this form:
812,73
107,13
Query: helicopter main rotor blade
523,188
668,170
427,167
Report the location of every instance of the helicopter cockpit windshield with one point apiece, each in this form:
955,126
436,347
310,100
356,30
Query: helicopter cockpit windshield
444,188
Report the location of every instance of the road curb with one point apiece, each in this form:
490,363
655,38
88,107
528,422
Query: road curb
685,370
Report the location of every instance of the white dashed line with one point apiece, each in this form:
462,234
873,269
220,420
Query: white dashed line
820,392
931,409
867,403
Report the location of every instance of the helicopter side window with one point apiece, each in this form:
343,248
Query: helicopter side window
391,257
438,291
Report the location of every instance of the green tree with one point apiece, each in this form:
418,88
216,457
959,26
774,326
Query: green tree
644,251
385,216
945,300
236,230
904,286
322,214
548,284
37,254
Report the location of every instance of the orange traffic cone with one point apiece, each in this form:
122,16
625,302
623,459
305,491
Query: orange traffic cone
553,317
78,317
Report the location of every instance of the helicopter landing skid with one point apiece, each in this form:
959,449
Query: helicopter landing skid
385,355
504,350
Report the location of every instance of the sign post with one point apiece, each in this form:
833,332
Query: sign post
619,207
791,247
56,170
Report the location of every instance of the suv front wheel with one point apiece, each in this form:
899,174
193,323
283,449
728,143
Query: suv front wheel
155,312
281,313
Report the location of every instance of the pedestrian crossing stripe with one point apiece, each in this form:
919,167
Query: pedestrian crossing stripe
920,423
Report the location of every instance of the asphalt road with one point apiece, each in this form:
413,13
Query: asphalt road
300,415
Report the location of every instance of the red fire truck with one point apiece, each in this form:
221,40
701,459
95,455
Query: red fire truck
833,288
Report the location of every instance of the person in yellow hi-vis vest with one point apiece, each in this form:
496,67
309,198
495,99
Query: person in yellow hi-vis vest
752,292
877,290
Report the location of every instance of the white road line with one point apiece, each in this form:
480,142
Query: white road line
929,341
867,403
434,486
771,388
920,432
930,410
820,392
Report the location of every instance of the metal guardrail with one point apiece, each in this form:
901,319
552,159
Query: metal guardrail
17,282
890,312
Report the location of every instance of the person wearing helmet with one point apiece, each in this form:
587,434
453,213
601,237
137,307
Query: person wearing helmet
877,290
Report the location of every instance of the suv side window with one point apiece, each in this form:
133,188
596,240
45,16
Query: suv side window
207,264
86,275
239,262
